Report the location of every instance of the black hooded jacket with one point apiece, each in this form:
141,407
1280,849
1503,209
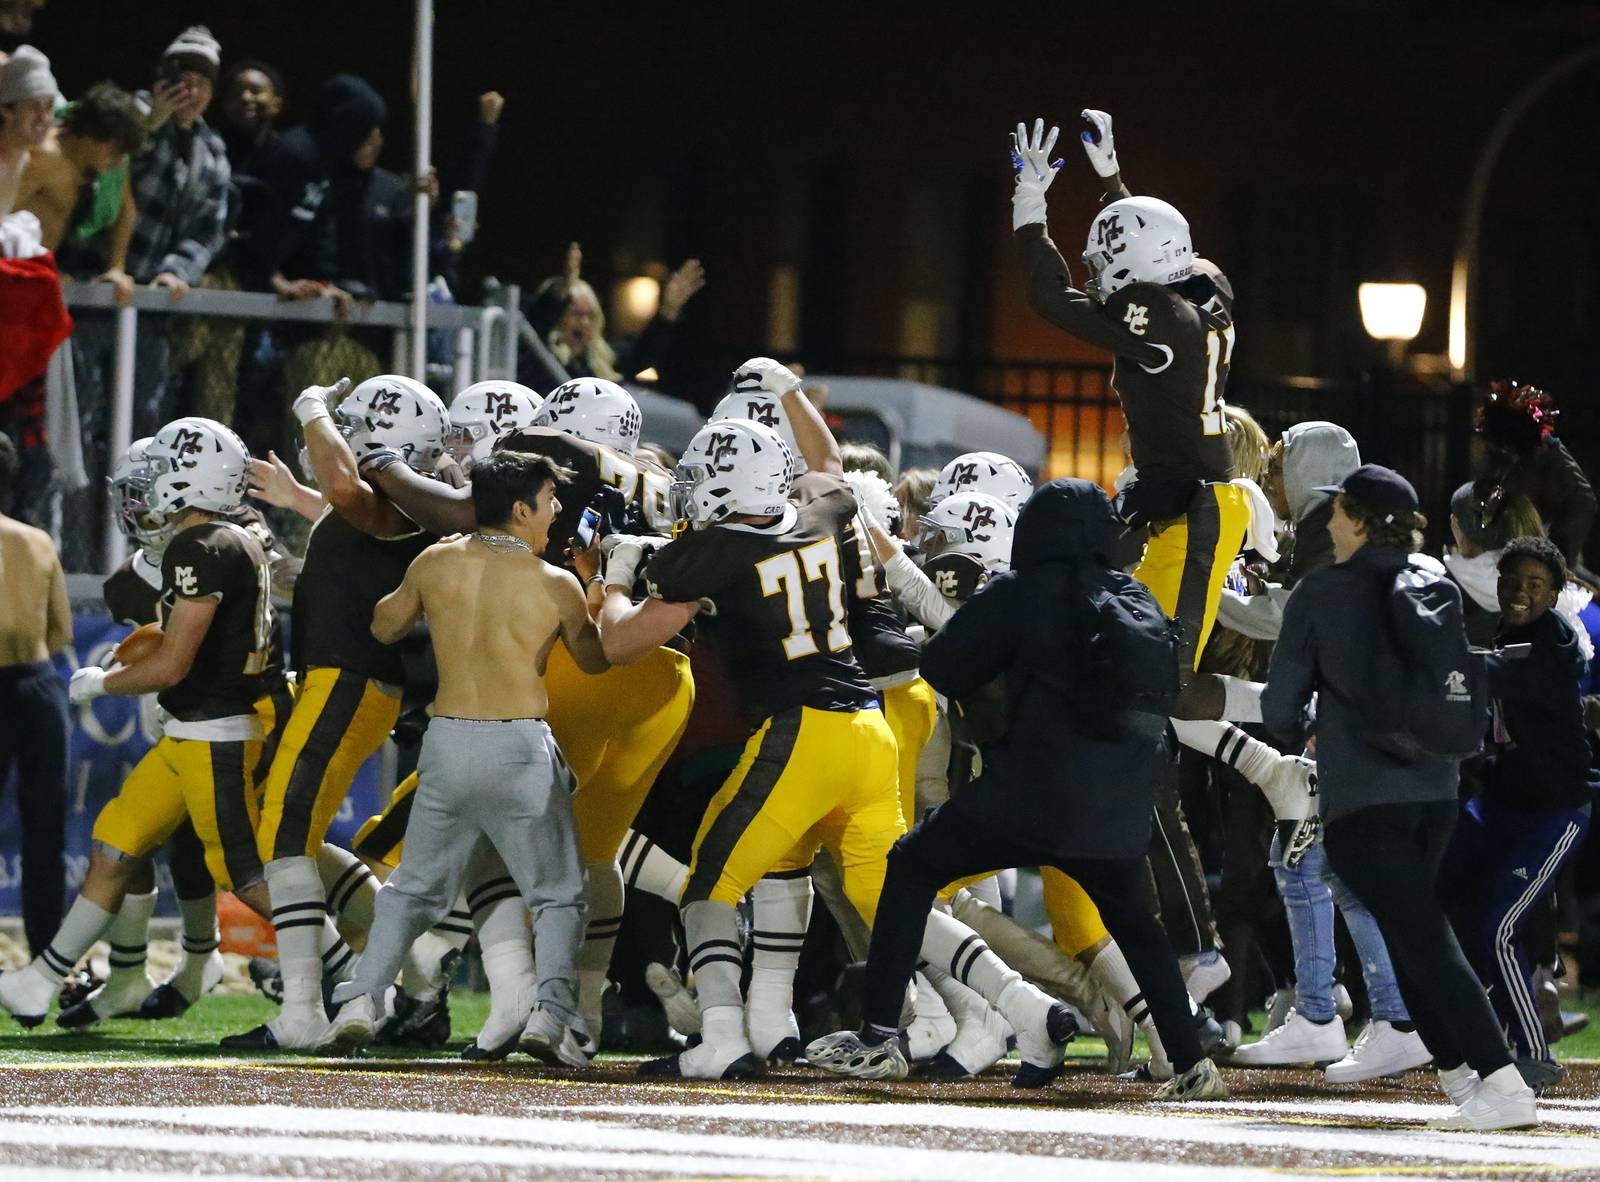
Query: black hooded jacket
1092,796
1538,749
288,223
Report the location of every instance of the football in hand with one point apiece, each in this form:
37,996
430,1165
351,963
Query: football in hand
137,645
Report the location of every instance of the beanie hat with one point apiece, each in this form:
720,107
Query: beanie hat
27,75
198,50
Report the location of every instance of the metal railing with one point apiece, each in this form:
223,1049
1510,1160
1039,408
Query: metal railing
482,343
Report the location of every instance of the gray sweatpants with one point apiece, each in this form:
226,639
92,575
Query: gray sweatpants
493,798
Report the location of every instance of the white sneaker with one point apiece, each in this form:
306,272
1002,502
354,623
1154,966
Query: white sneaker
1204,973
1342,1002
550,1040
356,1023
683,1012
1278,1009
1380,1050
1459,1083
1297,1042
509,1010
25,994
1502,1101
723,1052
844,1053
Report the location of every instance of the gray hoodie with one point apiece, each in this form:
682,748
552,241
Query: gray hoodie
1314,453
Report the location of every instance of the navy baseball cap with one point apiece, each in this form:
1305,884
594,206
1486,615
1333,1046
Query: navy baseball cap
1383,490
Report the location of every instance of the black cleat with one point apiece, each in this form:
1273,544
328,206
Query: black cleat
259,1039
479,1054
1060,1025
942,1066
786,1052
165,1001
76,988
77,1017
1032,1076
417,1023
744,1067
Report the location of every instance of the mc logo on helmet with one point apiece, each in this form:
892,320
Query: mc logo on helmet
386,402
188,443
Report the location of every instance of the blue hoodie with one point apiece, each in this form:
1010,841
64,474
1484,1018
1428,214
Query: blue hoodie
1538,748
1092,797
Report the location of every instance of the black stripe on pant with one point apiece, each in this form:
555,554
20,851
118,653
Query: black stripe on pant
389,832
282,708
1389,856
235,833
1204,520
305,782
772,758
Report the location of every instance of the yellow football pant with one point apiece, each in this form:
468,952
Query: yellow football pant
807,778
1187,558
911,711
1074,919
212,783
339,720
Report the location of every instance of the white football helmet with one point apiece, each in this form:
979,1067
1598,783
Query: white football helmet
596,410
130,496
391,411
759,406
732,466
985,472
191,463
483,413
1137,240
971,523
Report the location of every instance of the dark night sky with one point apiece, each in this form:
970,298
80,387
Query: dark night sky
1311,145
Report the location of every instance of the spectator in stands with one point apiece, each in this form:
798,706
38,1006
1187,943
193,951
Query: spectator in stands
35,621
577,339
1519,424
180,181
27,113
252,100
467,174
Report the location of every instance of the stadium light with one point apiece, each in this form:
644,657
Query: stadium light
636,302
1392,311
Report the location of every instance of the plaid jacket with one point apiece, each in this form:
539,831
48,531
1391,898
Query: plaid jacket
180,187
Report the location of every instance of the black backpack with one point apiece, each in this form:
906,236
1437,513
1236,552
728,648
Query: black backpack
1128,680
1427,693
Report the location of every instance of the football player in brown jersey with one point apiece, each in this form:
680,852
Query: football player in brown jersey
763,567
349,683
617,729
208,672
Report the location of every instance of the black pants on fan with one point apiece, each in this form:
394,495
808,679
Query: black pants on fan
33,739
1389,856
961,838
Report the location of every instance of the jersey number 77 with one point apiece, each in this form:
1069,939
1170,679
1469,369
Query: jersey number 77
787,574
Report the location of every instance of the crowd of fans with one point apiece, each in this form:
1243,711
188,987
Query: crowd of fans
209,173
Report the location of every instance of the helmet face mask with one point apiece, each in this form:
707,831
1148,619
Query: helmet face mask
971,523
483,414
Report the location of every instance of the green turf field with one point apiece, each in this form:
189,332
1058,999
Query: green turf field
196,1034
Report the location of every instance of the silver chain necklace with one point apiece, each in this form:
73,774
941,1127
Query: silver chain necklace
503,543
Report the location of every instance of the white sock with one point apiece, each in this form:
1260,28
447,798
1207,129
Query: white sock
422,971
85,922
300,918
129,936
350,888
781,912
987,891
1110,971
605,899
498,912
200,939
1223,741
951,946
1241,699
513,987
648,867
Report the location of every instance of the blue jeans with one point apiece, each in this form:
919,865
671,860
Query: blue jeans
1310,892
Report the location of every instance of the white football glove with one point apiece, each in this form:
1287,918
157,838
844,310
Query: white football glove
312,404
763,373
623,555
874,498
86,685
1098,145
1030,156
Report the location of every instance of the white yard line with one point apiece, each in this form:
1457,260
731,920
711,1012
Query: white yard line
288,1132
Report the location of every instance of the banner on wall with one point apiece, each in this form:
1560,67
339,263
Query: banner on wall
108,737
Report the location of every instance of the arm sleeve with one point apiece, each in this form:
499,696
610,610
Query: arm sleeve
191,256
1051,294
1291,677
1260,617
978,643
917,592
472,166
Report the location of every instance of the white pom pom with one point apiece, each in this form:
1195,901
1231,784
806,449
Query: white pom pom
874,494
